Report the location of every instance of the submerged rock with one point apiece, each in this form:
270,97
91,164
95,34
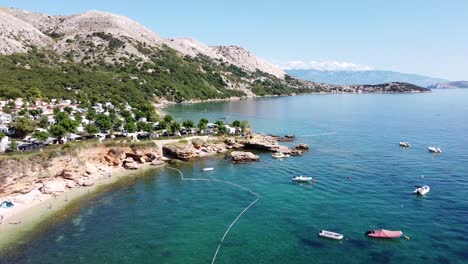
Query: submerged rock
302,146
243,156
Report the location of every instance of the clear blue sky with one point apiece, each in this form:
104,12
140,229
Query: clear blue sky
416,36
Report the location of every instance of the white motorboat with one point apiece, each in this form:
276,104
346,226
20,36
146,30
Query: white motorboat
329,234
301,179
434,149
421,190
279,155
207,169
405,144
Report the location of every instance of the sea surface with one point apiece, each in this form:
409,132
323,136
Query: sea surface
159,218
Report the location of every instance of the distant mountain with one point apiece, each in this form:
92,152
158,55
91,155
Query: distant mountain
362,77
449,85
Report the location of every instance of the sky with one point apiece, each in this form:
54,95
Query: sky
427,37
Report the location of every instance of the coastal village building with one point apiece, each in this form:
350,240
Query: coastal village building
5,118
4,129
4,144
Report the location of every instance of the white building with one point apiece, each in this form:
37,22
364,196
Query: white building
230,130
4,129
5,118
4,143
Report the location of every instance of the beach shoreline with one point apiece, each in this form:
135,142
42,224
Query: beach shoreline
101,166
29,216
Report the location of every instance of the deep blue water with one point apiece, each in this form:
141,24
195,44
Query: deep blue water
157,218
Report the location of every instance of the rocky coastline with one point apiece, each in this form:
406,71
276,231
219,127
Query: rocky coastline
27,183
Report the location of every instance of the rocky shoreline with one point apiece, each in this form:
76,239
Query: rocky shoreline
27,185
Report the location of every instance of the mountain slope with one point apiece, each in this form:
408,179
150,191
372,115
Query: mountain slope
98,56
17,35
362,77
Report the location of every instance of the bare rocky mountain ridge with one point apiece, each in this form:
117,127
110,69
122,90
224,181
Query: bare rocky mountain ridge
64,34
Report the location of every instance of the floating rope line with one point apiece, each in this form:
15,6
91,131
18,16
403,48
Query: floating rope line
237,218
321,134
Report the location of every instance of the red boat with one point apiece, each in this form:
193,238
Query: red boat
382,233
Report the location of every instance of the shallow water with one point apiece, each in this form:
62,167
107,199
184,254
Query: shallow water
157,218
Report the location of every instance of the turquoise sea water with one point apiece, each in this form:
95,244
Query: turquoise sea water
157,218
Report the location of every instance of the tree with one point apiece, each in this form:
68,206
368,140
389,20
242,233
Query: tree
35,112
244,124
57,110
69,124
22,126
168,119
78,117
33,93
103,122
2,135
130,127
149,111
44,122
68,109
175,127
91,129
236,123
13,145
147,127
57,131
203,123
188,124
91,115
219,123
222,129
41,135
61,116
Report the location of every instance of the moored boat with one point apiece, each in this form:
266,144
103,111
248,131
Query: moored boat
329,234
279,155
405,144
421,190
383,233
207,169
301,179
434,149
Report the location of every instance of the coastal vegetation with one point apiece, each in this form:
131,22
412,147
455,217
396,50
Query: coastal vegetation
133,81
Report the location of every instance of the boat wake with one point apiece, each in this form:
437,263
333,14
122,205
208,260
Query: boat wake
321,134
238,216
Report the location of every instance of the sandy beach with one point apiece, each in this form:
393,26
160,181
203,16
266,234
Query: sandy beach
23,217
32,208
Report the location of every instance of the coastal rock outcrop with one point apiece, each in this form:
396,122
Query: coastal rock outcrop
302,146
54,186
84,181
269,143
243,156
179,151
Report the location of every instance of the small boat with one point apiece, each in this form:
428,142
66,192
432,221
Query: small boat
301,179
421,190
279,155
434,149
207,169
405,144
329,234
383,233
